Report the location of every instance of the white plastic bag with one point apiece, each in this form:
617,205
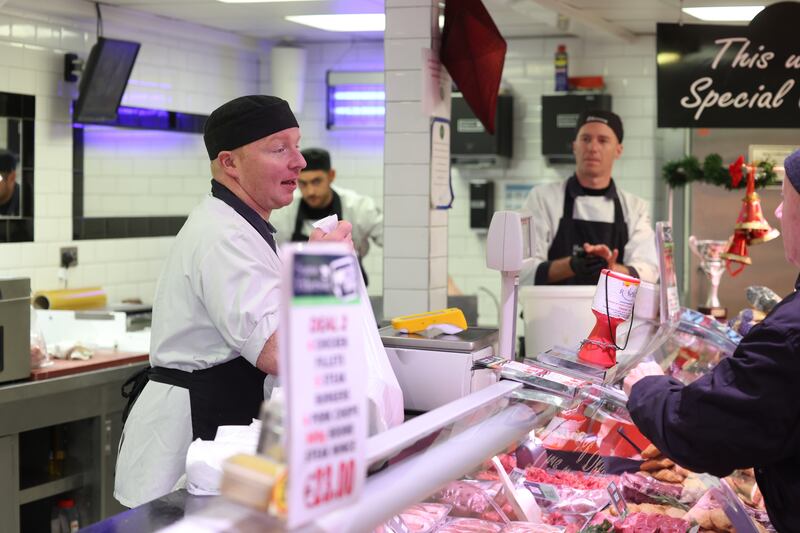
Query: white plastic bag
39,356
383,391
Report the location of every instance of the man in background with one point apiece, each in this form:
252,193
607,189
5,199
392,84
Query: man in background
586,224
316,198
9,188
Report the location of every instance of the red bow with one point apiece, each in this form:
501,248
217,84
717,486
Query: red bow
735,169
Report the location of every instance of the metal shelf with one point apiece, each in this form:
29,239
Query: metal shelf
51,488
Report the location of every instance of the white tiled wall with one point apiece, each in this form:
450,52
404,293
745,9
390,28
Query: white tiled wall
629,72
128,172
415,274
357,155
180,67
192,69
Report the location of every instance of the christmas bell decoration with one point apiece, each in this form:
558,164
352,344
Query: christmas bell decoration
751,226
737,253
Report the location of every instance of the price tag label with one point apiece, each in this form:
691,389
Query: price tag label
323,371
542,491
617,500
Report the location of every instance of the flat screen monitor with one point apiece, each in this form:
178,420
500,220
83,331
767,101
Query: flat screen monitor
104,79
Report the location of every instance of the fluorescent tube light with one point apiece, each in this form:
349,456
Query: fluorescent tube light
354,22
724,13
259,1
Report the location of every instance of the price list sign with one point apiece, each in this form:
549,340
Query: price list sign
323,370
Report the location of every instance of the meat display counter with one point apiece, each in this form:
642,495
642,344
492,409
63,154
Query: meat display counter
575,453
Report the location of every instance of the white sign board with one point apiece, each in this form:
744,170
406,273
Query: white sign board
441,188
322,369
435,86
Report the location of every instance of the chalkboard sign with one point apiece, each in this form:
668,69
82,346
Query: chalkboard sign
731,76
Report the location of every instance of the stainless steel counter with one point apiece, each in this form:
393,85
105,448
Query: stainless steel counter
89,405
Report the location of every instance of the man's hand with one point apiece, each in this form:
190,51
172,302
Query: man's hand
342,233
601,250
586,265
638,372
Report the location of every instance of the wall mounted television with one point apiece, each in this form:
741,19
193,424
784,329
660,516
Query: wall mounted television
104,79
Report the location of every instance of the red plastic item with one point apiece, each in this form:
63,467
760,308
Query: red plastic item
68,503
586,83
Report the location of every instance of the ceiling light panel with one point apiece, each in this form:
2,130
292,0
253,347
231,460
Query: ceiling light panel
724,13
343,22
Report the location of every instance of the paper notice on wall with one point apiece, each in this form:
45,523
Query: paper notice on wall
323,372
441,188
435,86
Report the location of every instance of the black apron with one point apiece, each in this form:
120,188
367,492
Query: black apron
572,233
230,393
306,212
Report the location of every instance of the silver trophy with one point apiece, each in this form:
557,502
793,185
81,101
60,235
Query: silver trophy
713,265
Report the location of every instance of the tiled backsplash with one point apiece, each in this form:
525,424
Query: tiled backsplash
129,172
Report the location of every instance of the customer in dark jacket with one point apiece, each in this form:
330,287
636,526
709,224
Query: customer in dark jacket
746,412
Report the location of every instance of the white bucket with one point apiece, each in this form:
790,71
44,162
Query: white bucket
556,315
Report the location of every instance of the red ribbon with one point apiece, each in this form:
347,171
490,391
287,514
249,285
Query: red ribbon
735,169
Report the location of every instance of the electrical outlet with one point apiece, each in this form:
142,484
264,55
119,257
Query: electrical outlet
68,257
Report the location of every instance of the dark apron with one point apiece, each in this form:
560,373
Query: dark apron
304,212
572,233
230,393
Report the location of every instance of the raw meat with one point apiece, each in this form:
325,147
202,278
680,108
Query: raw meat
469,525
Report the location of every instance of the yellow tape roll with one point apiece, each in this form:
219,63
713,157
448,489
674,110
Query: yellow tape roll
73,299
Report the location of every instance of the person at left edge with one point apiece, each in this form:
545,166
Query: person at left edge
317,198
9,188
215,310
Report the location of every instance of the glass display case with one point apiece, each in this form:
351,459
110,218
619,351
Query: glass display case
569,460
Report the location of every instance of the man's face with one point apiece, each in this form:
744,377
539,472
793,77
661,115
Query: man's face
268,168
7,186
315,185
788,212
595,148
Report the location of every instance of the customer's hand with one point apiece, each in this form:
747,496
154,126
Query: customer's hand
638,372
342,233
583,264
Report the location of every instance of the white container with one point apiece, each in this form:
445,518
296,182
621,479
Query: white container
556,315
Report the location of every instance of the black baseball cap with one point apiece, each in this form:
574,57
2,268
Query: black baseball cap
608,118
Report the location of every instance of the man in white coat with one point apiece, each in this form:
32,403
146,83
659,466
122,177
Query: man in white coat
586,224
215,310
316,198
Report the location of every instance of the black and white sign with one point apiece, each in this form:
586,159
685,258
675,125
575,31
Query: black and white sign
731,76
